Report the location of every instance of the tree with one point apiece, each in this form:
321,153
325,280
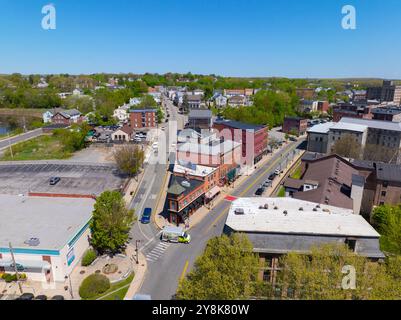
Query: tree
147,102
319,276
374,152
387,220
347,147
227,270
111,223
159,115
73,139
83,104
129,159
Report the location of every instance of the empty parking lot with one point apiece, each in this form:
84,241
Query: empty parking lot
75,179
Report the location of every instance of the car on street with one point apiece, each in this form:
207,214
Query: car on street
272,176
54,181
260,191
267,184
278,172
147,213
293,139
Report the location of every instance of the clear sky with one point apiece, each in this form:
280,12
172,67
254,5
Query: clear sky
293,38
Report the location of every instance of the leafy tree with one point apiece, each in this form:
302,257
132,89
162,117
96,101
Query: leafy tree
387,220
111,223
73,139
374,152
319,276
227,270
83,104
129,159
147,102
347,147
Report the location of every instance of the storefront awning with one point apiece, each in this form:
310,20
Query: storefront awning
215,190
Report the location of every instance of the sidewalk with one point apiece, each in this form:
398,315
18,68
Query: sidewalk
140,272
161,222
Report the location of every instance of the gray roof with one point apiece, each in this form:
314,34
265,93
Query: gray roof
388,172
240,125
55,221
200,114
388,110
374,124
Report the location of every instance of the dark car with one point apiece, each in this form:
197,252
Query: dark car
147,213
59,298
272,176
26,296
54,181
41,297
260,191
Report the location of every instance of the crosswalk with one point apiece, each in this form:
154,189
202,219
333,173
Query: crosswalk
157,252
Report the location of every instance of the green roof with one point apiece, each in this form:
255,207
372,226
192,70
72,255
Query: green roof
176,188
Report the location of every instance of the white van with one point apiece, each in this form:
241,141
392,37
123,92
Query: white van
175,234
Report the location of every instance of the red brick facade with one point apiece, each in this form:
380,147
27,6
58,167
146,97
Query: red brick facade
144,119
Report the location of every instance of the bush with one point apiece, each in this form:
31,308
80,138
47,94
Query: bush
94,285
7,277
89,256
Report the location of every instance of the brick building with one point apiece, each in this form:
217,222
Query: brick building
253,138
295,125
143,118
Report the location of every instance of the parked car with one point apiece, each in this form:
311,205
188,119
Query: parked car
147,213
267,184
260,191
26,296
58,298
278,172
54,181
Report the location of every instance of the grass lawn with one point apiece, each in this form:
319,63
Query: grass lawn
41,148
117,290
281,193
297,173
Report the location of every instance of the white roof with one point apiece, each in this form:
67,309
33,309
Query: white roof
328,220
55,221
374,124
349,127
197,170
321,128
214,149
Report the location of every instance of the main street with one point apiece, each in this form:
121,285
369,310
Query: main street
168,263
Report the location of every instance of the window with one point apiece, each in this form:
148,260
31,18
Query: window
384,193
351,243
385,184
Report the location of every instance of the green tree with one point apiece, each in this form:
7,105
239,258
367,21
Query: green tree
73,139
227,270
387,220
129,159
111,223
319,276
347,147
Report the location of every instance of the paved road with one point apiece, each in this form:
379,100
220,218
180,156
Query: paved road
5,143
167,263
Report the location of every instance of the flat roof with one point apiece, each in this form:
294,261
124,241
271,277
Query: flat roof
289,219
240,125
200,114
193,169
215,149
54,221
349,127
374,124
321,128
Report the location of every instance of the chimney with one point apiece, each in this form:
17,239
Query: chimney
357,189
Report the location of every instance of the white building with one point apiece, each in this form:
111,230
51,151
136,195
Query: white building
48,235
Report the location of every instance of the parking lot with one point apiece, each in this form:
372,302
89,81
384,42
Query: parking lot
75,179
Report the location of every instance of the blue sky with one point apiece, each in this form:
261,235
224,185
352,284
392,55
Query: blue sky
293,38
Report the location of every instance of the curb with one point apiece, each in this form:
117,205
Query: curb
158,202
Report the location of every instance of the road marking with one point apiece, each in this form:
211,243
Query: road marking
184,271
249,187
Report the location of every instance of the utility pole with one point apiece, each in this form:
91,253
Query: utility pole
137,251
9,145
15,268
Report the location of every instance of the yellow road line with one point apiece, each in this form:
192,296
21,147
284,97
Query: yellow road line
221,215
158,200
184,271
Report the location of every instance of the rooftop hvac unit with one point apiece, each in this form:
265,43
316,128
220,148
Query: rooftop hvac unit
33,242
239,211
186,184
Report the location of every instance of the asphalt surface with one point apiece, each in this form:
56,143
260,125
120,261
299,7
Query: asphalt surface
168,263
26,136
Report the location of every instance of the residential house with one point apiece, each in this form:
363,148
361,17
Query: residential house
124,134
200,119
237,101
67,117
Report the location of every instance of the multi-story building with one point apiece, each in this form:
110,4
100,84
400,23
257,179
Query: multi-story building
143,118
200,119
194,101
278,226
352,110
318,137
253,138
388,92
295,125
339,130
65,117
388,113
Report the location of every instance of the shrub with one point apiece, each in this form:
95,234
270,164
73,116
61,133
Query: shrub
7,277
89,256
94,285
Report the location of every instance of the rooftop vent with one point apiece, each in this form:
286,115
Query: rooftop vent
239,211
314,209
276,208
33,242
301,209
285,213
